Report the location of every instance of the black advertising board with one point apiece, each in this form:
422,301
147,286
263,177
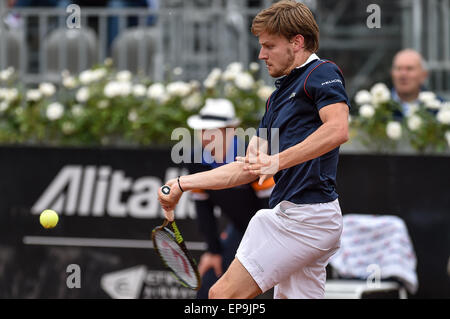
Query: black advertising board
414,188
106,199
107,202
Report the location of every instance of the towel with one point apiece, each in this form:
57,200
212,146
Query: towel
373,245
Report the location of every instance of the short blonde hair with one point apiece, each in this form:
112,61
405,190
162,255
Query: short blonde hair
288,19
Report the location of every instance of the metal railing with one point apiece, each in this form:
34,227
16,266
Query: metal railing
427,29
199,38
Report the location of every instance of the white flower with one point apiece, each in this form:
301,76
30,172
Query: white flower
244,81
133,116
65,73
12,95
126,88
192,102
209,83
232,71
19,111
235,67
6,74
47,89
412,109
139,90
82,94
178,88
230,90
157,91
99,73
69,82
254,66
54,111
114,88
443,116
177,71
426,96
88,76
68,127
264,92
447,137
394,130
33,95
195,85
108,62
77,110
215,74
123,76
248,102
102,104
4,105
213,78
434,104
380,93
366,111
9,95
414,122
363,97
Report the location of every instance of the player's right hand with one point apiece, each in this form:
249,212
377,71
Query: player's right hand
169,201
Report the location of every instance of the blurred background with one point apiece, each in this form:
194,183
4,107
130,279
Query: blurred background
156,36
91,91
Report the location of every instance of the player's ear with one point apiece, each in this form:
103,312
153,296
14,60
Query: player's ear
298,42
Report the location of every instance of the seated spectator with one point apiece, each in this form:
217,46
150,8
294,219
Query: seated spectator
409,74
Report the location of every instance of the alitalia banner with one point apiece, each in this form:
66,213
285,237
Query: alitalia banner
107,205
106,199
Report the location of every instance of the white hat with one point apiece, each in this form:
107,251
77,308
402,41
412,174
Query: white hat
217,113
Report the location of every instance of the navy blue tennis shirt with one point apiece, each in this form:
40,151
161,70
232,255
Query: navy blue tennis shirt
293,109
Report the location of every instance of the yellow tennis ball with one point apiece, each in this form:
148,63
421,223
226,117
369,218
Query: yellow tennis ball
49,218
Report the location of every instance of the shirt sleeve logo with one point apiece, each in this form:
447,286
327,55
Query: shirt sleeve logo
332,81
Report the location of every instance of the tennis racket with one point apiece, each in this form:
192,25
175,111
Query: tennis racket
170,246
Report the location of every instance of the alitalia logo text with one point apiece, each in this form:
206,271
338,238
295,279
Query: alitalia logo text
100,190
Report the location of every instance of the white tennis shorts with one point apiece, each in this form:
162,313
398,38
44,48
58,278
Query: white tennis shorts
289,246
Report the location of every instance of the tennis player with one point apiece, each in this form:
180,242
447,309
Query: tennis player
289,245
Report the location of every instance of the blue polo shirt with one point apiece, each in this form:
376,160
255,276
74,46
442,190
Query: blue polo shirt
293,109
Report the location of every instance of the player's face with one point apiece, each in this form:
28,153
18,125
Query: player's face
278,54
408,74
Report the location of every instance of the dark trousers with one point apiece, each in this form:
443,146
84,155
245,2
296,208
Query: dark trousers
229,247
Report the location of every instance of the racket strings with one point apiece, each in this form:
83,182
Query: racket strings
175,258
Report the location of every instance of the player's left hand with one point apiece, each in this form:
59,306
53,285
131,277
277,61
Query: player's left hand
261,164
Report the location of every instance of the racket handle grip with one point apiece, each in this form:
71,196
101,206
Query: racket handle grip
169,215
